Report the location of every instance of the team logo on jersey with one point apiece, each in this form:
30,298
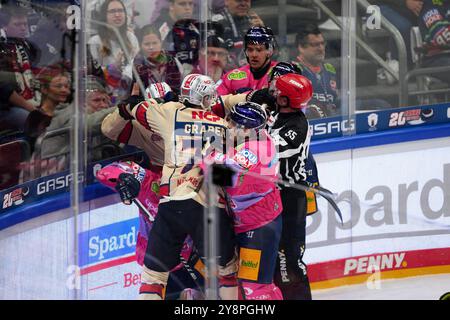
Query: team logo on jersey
237,75
246,158
133,168
155,187
431,17
204,115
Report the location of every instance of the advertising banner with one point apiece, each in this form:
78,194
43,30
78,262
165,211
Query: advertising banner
394,199
377,121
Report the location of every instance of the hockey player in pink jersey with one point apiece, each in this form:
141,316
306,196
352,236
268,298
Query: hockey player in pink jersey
259,46
132,181
253,199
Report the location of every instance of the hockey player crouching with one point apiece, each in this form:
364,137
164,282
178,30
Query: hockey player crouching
253,199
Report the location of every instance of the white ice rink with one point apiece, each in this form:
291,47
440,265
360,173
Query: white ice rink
430,287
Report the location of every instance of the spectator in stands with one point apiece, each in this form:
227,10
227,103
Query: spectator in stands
55,88
94,7
55,84
107,52
178,10
311,61
49,36
186,43
98,106
52,155
213,59
16,58
153,64
236,18
311,48
97,96
403,15
434,24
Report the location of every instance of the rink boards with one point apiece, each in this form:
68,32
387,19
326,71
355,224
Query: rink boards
395,200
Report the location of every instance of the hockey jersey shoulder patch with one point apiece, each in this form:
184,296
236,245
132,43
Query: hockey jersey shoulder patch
237,75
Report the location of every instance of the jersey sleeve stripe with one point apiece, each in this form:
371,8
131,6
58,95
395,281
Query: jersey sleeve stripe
125,134
141,114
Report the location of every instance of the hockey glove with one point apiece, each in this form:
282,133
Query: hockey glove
261,96
171,97
128,187
126,106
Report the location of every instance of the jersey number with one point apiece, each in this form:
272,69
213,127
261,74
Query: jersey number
291,134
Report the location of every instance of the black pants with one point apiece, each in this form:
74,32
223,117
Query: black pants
174,221
291,274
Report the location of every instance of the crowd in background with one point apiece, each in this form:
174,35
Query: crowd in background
129,47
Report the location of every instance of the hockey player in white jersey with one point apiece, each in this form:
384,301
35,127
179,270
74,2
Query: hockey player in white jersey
184,128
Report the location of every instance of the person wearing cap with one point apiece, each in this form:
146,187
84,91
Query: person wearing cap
213,59
259,47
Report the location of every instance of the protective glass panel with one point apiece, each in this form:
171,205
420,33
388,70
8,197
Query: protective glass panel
404,50
39,90
87,120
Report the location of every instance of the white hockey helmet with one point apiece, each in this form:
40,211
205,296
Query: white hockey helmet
199,90
157,90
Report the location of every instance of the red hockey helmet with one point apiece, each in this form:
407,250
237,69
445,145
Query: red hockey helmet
298,89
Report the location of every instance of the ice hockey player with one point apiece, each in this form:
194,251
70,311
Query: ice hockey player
131,181
290,130
253,199
120,126
259,46
184,128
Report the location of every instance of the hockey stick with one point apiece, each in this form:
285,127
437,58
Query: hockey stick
139,204
327,194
